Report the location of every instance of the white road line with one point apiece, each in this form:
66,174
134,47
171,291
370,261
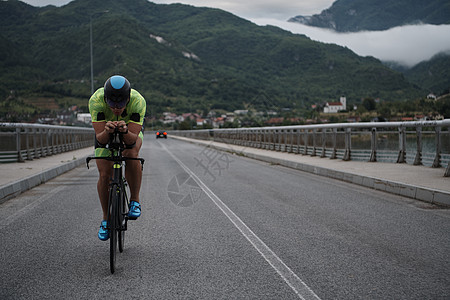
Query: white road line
295,283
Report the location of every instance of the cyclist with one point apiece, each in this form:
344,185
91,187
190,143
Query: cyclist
117,105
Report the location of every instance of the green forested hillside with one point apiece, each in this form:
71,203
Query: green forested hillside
180,57
357,15
432,75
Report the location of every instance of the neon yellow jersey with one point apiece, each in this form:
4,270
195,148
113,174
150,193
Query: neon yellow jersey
134,111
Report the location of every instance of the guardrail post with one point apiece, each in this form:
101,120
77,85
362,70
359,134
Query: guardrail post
240,138
402,144
66,139
348,144
246,138
51,142
262,136
56,141
282,140
36,153
41,138
276,140
285,141
314,143
266,139
261,139
73,146
447,170
55,134
305,141
298,141
324,141
292,141
27,144
373,144
19,145
418,158
334,140
437,158
46,137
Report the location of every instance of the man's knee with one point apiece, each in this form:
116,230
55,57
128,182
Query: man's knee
133,152
104,169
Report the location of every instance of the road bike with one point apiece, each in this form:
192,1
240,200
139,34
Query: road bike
118,202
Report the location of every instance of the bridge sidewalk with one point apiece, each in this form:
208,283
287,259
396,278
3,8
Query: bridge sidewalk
16,178
417,182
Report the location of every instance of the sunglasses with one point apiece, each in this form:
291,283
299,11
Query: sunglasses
116,104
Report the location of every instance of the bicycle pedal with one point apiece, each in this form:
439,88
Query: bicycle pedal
131,218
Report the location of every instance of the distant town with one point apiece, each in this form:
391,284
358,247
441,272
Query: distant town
431,107
327,112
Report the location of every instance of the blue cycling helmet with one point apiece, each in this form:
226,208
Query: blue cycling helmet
117,91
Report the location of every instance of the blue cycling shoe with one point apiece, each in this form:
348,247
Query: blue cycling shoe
103,232
135,210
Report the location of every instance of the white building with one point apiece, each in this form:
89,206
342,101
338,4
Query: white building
84,117
334,107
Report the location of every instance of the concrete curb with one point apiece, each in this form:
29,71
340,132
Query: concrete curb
433,196
15,188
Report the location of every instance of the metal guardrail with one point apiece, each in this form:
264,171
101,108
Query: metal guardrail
21,141
418,143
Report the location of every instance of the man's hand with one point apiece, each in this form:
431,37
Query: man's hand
122,126
110,126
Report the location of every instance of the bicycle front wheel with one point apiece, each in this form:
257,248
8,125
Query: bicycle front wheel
114,226
122,220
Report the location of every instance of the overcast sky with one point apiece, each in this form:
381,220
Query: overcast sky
407,45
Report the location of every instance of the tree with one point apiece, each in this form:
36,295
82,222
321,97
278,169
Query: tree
187,124
443,107
384,112
369,104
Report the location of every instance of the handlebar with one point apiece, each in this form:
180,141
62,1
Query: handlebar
116,143
115,159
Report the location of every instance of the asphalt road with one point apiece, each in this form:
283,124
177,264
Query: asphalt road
220,226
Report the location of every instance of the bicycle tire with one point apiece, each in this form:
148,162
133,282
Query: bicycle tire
113,227
122,220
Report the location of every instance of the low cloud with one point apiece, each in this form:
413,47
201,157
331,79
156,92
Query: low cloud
280,9
407,45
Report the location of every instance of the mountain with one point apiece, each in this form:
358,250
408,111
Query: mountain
432,75
358,15
179,57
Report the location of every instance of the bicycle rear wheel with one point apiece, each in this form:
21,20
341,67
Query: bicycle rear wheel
114,226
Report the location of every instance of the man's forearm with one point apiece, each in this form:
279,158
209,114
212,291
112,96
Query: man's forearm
130,138
103,137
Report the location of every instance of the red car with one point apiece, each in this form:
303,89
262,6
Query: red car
161,134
